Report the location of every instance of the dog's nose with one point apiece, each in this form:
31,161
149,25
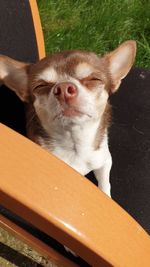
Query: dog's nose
65,90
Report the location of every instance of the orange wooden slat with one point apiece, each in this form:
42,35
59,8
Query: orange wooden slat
37,28
52,196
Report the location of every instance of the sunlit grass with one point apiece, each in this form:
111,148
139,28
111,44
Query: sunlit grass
98,25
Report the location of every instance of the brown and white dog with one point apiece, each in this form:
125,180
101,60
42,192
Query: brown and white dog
68,112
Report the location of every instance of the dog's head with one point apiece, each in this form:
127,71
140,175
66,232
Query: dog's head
70,86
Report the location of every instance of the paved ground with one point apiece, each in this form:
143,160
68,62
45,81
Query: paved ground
15,253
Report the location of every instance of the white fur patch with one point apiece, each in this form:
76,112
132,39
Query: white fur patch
77,148
3,71
48,75
83,70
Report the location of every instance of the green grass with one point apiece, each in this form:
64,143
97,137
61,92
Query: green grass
97,25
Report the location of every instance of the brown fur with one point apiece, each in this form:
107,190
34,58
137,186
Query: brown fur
23,79
66,62
33,126
105,123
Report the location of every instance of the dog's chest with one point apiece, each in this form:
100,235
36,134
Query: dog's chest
76,148
76,151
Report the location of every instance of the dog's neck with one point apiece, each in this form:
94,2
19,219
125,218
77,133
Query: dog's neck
74,136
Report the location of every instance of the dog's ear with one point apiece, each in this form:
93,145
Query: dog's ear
14,75
120,62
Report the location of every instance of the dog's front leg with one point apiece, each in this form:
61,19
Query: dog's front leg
102,175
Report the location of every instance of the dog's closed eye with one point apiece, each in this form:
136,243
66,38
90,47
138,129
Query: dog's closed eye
43,88
92,82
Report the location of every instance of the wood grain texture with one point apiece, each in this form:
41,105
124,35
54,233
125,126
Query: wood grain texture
52,196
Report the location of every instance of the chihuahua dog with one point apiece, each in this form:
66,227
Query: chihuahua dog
68,112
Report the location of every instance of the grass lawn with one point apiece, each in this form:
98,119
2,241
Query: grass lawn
98,25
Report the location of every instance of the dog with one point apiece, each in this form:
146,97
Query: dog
67,104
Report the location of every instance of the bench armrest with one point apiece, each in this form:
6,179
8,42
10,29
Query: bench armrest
59,201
